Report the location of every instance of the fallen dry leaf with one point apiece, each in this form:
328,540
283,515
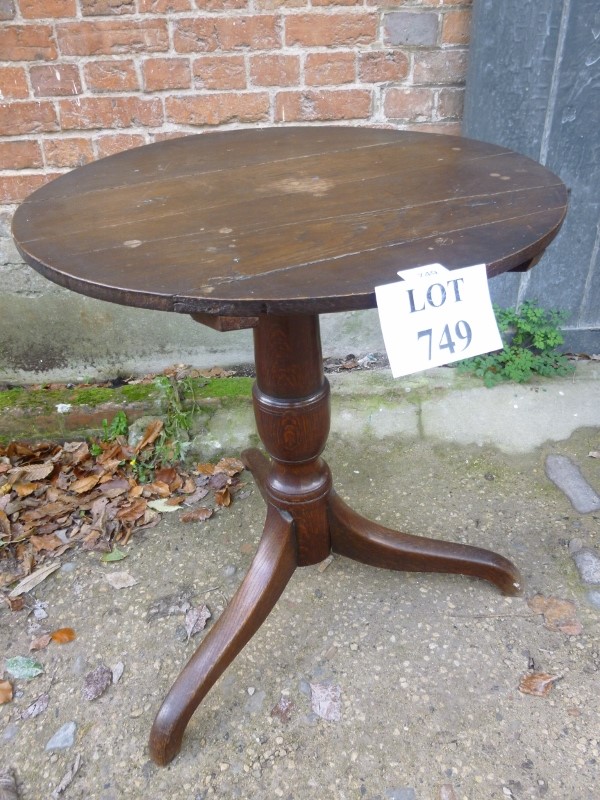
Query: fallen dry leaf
117,671
84,484
96,682
56,497
170,604
16,603
151,433
283,710
230,466
197,495
325,700
31,581
218,481
205,469
48,542
161,506
559,615
63,635
538,684
197,515
120,580
25,489
67,778
223,497
4,524
37,472
447,792
196,619
6,692
8,785
39,705
40,642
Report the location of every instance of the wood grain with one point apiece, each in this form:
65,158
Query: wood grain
300,220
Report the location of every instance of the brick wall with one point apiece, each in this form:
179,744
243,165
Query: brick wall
80,79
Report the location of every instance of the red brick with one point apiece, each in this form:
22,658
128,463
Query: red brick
68,151
440,66
112,37
380,66
21,154
15,188
322,105
409,104
110,144
44,9
450,104
207,34
34,116
104,8
111,75
27,43
337,2
109,112
271,5
165,136
322,69
456,26
220,5
216,109
166,73
330,30
163,6
8,10
220,72
449,128
275,70
13,83
53,80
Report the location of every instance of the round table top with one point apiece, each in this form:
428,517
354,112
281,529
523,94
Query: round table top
285,220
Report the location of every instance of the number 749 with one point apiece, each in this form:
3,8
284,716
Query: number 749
462,333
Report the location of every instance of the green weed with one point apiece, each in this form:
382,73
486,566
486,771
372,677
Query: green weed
531,336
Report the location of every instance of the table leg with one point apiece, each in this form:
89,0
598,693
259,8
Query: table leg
305,517
358,538
271,569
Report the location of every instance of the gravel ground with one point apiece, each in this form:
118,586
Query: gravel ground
428,666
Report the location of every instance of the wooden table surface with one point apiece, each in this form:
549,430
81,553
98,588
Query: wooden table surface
281,220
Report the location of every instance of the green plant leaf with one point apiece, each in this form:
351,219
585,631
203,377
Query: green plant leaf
531,336
114,555
23,668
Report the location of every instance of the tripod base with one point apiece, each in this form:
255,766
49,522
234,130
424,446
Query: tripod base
306,519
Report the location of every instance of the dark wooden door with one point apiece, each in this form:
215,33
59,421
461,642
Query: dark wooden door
534,86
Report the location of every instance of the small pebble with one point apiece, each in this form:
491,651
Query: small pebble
63,738
9,732
594,598
568,478
401,794
229,571
587,562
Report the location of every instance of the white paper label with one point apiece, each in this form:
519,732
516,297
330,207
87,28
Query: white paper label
435,316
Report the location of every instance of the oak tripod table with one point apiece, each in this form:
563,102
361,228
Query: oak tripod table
267,229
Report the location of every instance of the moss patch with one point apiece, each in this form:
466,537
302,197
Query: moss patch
220,387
